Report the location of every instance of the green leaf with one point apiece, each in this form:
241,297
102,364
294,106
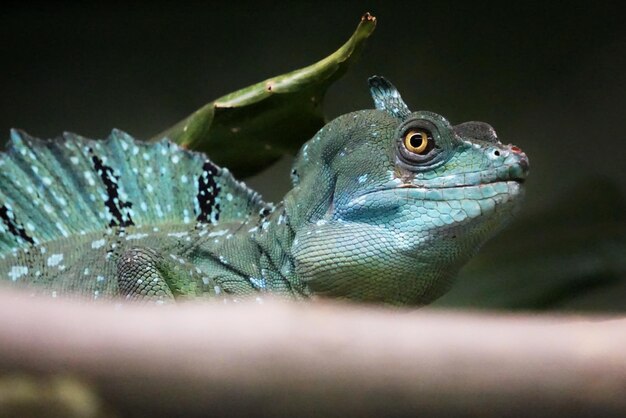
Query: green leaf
251,128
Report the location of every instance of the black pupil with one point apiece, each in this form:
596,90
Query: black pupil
416,140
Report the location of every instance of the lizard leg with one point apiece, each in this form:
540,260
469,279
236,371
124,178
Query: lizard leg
145,275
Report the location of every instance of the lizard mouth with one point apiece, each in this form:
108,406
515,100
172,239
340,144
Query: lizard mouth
442,188
493,189
516,173
509,173
505,181
519,181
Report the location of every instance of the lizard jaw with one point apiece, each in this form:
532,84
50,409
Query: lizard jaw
490,189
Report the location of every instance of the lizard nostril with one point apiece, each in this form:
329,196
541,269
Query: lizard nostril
515,149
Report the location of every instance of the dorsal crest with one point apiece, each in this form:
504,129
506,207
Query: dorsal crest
73,185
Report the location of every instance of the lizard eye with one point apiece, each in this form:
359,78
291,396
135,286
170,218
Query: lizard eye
419,141
421,144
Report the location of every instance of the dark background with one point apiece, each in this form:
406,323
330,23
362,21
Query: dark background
549,77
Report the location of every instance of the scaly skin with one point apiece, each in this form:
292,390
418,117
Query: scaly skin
371,217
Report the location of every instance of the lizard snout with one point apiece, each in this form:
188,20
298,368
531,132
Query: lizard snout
520,168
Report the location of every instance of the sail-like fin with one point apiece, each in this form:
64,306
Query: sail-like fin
73,185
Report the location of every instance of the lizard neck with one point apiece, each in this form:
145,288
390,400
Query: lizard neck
274,237
253,256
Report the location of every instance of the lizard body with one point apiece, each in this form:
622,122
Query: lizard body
387,205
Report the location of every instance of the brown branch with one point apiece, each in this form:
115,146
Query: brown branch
280,359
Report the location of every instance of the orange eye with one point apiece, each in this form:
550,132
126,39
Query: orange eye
417,141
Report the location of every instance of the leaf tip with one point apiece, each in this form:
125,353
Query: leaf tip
368,17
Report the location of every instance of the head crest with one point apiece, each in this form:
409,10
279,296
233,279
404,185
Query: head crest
386,97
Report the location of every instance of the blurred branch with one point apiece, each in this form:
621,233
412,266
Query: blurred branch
319,359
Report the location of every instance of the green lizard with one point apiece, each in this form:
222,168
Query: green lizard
386,205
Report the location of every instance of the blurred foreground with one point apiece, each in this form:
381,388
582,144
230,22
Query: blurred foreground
319,359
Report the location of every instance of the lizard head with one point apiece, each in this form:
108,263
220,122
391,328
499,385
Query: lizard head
388,204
